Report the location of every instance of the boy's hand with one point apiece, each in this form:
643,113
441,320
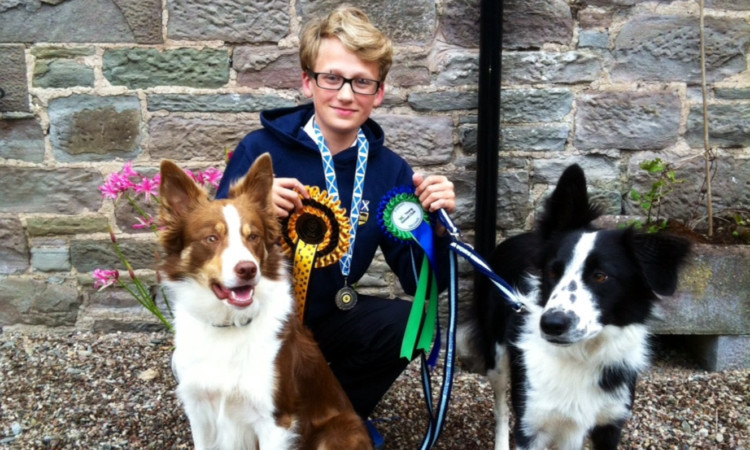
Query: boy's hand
286,195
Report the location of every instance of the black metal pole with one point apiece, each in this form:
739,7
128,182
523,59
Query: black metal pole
488,125
488,131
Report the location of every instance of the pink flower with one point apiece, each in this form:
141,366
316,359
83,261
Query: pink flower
143,222
212,176
148,187
105,278
127,170
115,184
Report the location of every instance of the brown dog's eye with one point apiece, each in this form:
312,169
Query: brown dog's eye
212,239
252,237
599,277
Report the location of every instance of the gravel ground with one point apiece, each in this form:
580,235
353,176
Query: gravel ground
113,391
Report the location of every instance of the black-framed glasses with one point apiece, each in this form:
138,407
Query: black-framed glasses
334,82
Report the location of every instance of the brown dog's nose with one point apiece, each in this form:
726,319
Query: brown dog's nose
246,270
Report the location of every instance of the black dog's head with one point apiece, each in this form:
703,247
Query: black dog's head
592,278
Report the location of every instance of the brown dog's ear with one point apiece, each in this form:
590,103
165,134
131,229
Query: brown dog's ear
178,191
258,183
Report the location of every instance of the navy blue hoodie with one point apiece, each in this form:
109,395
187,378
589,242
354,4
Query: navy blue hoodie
295,155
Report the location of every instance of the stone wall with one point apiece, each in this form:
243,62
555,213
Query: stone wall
91,84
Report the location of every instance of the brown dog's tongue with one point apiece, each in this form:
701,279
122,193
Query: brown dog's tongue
220,291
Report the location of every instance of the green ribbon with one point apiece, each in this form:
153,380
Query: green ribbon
415,326
405,220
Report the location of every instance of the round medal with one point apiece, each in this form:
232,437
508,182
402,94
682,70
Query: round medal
346,298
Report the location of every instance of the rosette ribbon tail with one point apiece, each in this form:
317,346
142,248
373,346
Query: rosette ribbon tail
304,258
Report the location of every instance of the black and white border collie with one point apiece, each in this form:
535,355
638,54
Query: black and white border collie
249,374
573,355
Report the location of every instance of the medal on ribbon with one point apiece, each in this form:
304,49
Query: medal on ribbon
317,235
402,218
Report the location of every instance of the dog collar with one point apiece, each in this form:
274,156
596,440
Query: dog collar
227,325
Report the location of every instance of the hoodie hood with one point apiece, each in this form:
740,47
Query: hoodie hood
287,125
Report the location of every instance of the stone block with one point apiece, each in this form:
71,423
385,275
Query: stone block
50,258
56,52
139,68
550,137
732,93
267,67
221,103
136,21
35,302
87,255
512,191
460,23
62,73
14,249
531,24
66,225
194,138
729,183
712,296
443,100
13,80
627,120
593,39
404,22
408,70
550,67
719,353
421,140
535,105
600,172
728,126
456,67
66,190
21,139
667,48
91,128
228,20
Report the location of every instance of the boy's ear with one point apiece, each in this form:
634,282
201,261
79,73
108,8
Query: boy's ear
307,84
380,96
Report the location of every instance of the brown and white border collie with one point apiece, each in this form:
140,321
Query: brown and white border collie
249,374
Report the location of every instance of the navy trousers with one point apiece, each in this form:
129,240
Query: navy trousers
362,346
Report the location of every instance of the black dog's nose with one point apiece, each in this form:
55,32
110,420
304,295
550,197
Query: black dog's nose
557,322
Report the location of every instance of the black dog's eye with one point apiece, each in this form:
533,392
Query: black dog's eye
599,277
554,271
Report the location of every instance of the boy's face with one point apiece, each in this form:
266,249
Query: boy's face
341,112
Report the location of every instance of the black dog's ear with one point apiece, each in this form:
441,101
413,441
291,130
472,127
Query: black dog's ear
568,207
660,255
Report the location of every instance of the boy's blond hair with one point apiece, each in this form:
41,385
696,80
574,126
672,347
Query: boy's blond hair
355,31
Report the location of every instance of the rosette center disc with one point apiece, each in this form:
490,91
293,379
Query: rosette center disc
311,228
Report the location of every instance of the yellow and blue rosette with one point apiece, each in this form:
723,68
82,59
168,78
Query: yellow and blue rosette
402,218
317,235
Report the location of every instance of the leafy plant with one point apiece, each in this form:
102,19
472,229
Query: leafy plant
138,190
650,202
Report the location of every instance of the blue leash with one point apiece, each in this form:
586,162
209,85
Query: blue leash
465,250
437,417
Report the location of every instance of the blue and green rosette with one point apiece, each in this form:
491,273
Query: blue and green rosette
402,218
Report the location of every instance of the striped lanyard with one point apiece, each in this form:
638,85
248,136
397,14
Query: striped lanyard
363,148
